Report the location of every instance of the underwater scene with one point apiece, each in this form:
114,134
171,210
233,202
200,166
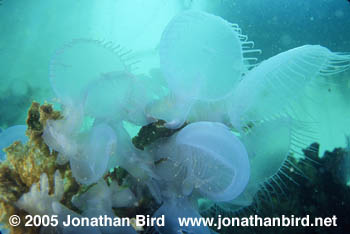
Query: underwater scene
174,116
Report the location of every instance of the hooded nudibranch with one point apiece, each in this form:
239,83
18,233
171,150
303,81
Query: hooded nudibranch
202,58
205,157
199,51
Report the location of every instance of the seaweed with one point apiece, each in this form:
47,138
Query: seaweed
152,132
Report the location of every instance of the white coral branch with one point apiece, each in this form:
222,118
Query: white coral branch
38,201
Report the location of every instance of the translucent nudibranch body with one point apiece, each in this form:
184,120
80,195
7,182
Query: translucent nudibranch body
199,51
78,63
279,81
205,157
174,209
91,163
234,130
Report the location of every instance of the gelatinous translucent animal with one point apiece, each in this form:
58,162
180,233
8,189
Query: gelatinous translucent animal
172,109
92,161
199,51
61,135
119,96
100,199
82,61
268,152
205,157
272,86
100,80
172,211
203,60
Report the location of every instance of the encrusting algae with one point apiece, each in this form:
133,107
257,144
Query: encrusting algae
24,165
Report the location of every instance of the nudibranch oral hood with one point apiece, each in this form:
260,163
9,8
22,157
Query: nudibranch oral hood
204,157
216,126
278,82
199,51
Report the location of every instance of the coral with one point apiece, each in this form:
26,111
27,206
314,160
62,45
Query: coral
26,163
29,163
38,201
212,87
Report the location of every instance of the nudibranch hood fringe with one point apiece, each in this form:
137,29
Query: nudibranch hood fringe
232,120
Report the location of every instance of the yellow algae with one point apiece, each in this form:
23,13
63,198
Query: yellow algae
24,165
